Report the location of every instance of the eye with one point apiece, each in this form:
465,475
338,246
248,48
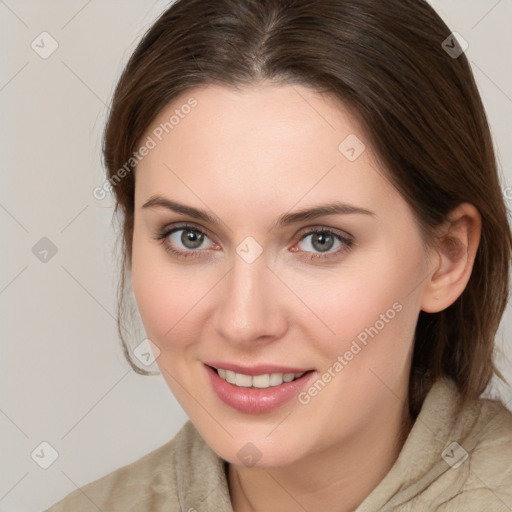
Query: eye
185,241
324,243
190,239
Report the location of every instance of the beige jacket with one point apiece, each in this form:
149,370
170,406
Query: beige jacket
449,462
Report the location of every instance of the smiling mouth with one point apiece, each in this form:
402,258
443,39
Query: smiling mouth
262,381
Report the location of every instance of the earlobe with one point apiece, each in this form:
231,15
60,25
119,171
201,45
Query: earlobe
455,252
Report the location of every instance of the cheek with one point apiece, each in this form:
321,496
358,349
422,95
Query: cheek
165,294
370,308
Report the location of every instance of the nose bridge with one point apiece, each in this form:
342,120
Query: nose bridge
245,290
247,308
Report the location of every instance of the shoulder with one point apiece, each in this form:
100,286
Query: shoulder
153,482
495,425
488,426
457,457
484,452
490,456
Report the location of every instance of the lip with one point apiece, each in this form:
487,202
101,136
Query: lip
256,400
259,369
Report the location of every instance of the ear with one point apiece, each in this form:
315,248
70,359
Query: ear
455,253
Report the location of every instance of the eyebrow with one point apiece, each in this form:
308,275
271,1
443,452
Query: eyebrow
321,210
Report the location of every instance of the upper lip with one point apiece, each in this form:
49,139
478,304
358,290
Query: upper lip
259,369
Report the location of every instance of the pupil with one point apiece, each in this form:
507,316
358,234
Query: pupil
191,239
322,242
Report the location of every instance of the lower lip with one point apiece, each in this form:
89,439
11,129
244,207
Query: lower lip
255,400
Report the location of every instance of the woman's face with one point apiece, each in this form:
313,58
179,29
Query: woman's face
254,283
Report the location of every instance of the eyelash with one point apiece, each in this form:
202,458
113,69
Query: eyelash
163,235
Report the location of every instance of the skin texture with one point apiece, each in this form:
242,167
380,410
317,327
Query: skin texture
247,157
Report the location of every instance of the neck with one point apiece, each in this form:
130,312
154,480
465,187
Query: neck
338,478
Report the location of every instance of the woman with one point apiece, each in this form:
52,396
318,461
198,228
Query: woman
318,246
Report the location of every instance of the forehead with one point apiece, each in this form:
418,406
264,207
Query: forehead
258,144
255,115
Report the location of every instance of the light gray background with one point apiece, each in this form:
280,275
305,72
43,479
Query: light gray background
64,378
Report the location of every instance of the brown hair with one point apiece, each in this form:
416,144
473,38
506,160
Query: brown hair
420,108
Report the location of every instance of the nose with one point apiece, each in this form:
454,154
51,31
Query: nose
250,305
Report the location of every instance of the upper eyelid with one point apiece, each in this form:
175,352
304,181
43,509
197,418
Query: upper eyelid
319,228
306,229
191,226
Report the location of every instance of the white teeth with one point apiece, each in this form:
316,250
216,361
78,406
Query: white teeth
258,381
276,379
261,381
244,381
